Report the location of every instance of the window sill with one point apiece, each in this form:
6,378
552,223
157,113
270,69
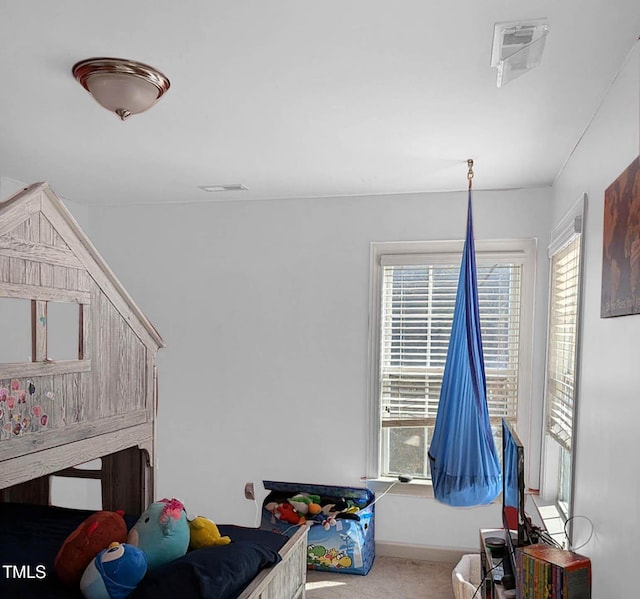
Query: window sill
552,519
416,488
392,486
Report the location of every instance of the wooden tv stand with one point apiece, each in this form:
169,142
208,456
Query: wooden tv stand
492,588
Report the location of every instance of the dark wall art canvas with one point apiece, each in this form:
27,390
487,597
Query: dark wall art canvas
621,245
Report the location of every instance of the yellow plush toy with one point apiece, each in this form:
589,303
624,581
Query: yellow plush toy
204,533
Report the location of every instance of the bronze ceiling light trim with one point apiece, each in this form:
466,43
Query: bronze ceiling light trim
122,86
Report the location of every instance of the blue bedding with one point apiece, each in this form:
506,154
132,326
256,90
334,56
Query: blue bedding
30,536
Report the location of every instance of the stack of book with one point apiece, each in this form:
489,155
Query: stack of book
546,572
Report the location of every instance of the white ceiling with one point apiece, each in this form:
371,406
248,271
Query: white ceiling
294,98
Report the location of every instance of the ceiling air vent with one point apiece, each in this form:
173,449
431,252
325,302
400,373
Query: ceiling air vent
230,187
517,48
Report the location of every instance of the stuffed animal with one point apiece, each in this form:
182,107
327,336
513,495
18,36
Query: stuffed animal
272,507
162,532
305,503
288,513
327,522
114,572
329,508
97,532
341,510
205,533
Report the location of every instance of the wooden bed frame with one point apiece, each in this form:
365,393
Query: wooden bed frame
100,403
287,578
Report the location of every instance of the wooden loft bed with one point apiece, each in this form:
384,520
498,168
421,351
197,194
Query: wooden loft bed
99,402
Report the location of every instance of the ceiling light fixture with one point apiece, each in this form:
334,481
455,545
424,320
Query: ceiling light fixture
517,48
122,86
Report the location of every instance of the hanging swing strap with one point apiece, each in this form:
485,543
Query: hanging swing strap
470,172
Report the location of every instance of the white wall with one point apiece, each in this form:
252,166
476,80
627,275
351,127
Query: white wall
264,309
607,487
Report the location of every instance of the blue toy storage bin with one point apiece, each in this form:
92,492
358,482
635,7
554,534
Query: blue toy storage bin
348,545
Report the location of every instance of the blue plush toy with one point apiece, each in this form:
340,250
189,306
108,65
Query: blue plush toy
162,532
114,572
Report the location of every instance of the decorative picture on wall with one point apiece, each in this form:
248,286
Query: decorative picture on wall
621,245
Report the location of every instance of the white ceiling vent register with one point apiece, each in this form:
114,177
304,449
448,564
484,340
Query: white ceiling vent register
517,48
229,187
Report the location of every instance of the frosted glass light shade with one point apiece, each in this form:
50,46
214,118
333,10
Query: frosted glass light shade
121,86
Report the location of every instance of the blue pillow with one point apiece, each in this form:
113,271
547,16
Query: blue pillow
218,572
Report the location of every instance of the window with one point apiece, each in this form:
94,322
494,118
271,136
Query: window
63,334
413,297
562,357
39,330
15,330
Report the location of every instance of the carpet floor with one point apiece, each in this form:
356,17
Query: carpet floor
390,577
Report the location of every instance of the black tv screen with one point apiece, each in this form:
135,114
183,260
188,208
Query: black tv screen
513,514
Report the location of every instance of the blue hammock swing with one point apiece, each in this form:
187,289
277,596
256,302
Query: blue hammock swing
465,469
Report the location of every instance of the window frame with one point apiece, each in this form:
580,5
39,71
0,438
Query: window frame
39,299
522,251
570,227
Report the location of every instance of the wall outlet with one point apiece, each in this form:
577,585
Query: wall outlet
248,491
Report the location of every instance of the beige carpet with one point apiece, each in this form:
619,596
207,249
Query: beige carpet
390,577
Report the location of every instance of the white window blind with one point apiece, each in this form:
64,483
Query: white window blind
561,357
413,291
417,310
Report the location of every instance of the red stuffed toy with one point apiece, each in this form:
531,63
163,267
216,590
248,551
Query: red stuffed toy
97,532
288,513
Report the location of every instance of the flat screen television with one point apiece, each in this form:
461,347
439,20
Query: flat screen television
514,518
